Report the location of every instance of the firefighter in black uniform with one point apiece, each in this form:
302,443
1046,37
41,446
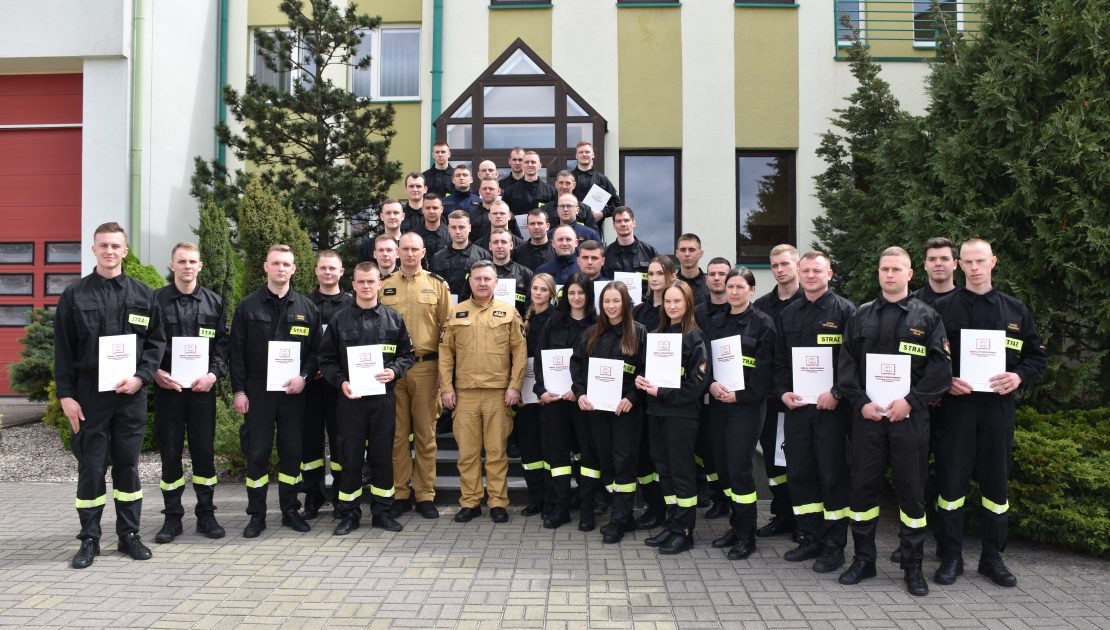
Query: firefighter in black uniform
626,252
586,176
438,178
977,426
537,249
501,249
108,423
710,483
320,397
784,267
188,310
816,435
275,312
894,432
531,191
366,419
527,431
453,262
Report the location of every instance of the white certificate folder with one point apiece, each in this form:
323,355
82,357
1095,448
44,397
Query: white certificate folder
117,361
364,363
604,383
283,362
663,365
813,371
728,363
556,370
982,355
888,378
189,360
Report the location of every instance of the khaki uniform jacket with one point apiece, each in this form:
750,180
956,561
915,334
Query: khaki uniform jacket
482,347
423,302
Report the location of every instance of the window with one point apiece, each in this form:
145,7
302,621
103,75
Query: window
652,186
17,253
281,78
765,202
519,101
925,25
63,253
519,3
17,284
849,18
394,71
57,282
15,315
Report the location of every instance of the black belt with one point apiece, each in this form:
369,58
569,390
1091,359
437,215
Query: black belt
431,356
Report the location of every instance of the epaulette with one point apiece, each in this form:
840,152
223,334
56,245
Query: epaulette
437,277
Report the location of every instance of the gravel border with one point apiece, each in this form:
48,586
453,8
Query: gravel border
34,452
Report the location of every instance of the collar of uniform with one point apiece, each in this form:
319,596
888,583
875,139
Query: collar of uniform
971,296
270,295
700,276
904,303
116,281
318,297
374,310
742,315
176,293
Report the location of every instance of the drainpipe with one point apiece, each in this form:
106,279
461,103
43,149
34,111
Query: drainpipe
138,21
437,67
221,106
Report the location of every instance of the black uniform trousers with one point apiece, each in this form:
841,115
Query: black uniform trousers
776,475
651,491
817,465
114,427
557,441
904,447
672,449
735,430
177,415
589,459
526,427
319,418
268,411
976,438
615,440
366,427
703,457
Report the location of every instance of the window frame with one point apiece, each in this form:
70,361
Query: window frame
46,282
29,307
517,4
293,70
46,252
932,43
375,68
677,188
28,262
860,23
792,200
19,274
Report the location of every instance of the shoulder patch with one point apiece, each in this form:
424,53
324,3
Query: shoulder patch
917,332
832,325
461,314
1013,326
437,277
389,291
299,317
499,313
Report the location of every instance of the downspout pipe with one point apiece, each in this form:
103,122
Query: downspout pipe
221,105
138,23
437,68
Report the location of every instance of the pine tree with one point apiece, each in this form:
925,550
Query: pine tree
264,221
318,145
34,371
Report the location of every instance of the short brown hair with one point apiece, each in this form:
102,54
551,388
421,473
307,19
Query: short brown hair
588,244
110,227
279,247
814,254
328,253
367,266
459,214
186,245
785,247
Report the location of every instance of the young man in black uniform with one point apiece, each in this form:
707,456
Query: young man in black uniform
977,426
275,312
538,249
531,191
585,176
501,249
453,262
414,205
432,229
320,397
709,482
109,423
688,253
816,434
628,253
784,267
366,419
188,310
941,259
438,178
892,432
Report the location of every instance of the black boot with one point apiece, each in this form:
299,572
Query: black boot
728,540
996,570
659,539
777,525
205,511
718,509
831,559
858,572
742,549
133,546
948,571
90,549
807,549
677,544
915,580
171,529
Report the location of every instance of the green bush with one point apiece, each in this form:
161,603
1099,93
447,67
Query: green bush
146,274
1060,480
230,461
34,371
54,416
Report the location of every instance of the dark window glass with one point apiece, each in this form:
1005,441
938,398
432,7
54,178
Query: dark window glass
17,253
17,284
57,282
59,253
15,315
765,203
652,186
924,26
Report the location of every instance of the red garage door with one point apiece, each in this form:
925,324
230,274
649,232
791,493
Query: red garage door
40,199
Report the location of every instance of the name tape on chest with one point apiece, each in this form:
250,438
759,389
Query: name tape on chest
301,331
915,349
830,340
207,332
138,320
1014,344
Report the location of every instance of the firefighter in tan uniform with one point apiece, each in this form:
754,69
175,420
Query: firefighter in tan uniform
481,369
424,303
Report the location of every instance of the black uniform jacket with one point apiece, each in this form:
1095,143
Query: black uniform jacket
685,400
771,304
647,313
533,256
706,310
94,307
262,317
757,349
439,181
805,324
1025,353
608,346
454,265
523,195
434,240
560,332
634,257
927,295
355,326
585,180
329,305
918,333
196,314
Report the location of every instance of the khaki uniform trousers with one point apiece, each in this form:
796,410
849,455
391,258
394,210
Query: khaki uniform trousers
417,412
482,421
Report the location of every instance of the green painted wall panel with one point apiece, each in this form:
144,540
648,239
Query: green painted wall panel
531,25
649,55
766,81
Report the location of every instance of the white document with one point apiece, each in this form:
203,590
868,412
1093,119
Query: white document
598,286
813,371
596,198
363,364
634,282
888,377
663,365
454,299
505,290
780,440
188,360
522,223
528,394
982,355
283,362
728,362
556,370
118,361
603,383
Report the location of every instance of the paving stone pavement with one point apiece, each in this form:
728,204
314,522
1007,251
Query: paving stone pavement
441,574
